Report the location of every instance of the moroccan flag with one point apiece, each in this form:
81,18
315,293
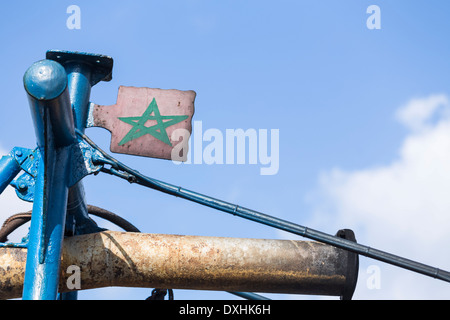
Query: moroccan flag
143,119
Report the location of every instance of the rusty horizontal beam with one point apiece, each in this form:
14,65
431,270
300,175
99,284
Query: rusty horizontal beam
127,259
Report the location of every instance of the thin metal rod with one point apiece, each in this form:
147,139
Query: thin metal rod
9,168
248,295
275,222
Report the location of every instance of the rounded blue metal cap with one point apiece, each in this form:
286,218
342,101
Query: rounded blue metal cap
45,80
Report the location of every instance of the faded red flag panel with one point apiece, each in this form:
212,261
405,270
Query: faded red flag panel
143,119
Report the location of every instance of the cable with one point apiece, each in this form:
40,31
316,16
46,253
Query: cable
19,219
112,217
12,223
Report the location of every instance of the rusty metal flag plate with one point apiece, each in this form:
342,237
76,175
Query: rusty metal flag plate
143,119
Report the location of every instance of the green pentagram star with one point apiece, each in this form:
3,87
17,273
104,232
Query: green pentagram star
158,130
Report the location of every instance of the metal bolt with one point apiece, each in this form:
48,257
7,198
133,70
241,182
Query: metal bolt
18,153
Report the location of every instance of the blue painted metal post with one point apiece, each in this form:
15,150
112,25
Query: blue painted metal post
79,90
46,84
83,71
79,75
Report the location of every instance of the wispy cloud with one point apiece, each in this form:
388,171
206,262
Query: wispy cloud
418,113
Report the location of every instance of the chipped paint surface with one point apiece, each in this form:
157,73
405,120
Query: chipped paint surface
191,262
140,130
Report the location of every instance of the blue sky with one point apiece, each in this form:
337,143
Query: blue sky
311,69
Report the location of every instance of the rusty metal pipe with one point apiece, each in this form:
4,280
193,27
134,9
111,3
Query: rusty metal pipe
127,259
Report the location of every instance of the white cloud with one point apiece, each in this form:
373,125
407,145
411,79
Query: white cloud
417,113
402,207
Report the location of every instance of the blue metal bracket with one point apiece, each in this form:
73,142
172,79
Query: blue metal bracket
24,184
82,164
84,70
100,65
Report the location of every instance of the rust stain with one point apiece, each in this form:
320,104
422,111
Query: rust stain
190,262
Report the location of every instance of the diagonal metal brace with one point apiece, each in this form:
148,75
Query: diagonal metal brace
259,217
